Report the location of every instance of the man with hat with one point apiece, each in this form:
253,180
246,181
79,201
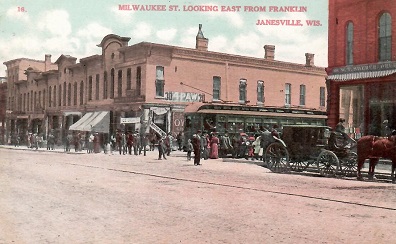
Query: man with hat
196,142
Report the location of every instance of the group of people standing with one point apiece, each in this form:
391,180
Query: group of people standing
128,143
212,145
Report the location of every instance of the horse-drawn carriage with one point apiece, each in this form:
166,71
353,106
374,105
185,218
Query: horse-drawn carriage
311,147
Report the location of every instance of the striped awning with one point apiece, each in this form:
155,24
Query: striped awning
361,75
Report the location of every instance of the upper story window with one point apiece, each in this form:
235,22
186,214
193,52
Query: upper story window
90,88
216,88
260,92
159,82
302,95
112,83
75,93
64,94
385,37
81,92
69,94
322,101
119,85
242,90
105,85
129,79
97,79
138,81
287,94
49,96
349,43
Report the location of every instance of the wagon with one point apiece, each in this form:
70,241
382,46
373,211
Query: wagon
311,147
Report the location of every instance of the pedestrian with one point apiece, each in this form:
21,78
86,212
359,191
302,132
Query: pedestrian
204,146
256,147
130,142
90,143
168,144
119,141
196,142
96,143
161,149
179,139
214,146
225,145
385,129
189,148
136,143
69,141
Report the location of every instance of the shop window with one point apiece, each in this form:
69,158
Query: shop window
349,43
287,94
216,88
138,81
352,110
90,88
242,90
119,85
322,97
44,100
302,95
159,82
260,92
385,37
97,87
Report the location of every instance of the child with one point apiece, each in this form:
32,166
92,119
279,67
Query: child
189,149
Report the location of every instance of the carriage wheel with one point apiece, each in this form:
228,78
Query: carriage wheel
328,163
298,165
349,164
277,158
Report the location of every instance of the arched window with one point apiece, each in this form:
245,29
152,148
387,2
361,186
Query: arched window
49,96
81,92
60,96
64,93
97,78
69,93
119,85
112,83
54,100
385,37
349,43
105,85
75,93
90,88
159,82
242,90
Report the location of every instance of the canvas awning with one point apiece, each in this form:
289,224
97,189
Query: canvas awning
72,113
93,121
361,75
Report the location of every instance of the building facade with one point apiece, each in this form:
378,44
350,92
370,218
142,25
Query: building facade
3,110
162,87
362,65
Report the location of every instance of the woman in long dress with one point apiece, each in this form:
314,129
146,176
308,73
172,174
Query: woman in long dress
214,147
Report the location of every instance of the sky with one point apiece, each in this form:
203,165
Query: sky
31,29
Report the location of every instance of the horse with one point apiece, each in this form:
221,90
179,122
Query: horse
373,148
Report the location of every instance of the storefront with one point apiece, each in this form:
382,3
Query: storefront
363,95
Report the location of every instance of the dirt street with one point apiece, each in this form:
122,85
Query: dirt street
48,197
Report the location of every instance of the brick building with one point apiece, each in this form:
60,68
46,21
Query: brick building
160,86
3,110
362,64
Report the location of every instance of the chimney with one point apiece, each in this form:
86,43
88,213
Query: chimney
201,43
47,62
269,52
309,59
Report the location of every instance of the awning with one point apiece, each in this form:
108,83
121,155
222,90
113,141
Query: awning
256,113
72,113
93,121
361,75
